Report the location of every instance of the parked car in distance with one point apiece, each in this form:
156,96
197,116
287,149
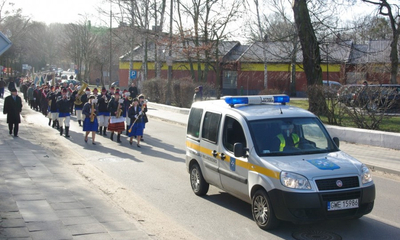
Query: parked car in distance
115,84
331,88
380,97
73,81
347,94
57,81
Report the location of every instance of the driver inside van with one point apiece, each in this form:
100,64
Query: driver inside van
288,139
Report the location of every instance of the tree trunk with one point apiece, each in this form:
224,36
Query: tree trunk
311,57
394,58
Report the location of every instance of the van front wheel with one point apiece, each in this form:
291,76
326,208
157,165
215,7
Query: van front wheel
199,185
262,211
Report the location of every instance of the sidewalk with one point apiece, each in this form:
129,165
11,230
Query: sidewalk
377,158
43,198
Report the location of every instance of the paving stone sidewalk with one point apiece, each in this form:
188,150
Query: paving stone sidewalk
42,198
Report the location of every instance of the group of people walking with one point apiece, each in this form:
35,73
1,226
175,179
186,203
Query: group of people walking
112,111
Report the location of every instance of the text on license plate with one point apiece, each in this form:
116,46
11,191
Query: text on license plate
343,204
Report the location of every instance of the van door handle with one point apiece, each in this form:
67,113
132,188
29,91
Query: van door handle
214,153
222,156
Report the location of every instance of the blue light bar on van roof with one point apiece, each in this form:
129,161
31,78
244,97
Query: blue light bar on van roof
257,99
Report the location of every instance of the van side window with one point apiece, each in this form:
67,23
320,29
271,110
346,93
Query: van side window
193,127
211,126
233,133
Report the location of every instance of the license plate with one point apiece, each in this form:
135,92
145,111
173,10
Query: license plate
343,204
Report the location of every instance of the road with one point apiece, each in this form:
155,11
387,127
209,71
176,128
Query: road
152,186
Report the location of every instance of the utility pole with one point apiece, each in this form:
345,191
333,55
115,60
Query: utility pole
131,45
169,60
110,41
327,63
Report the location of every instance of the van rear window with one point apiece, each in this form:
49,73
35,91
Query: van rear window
193,127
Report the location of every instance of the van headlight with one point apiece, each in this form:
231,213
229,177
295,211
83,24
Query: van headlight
365,174
294,180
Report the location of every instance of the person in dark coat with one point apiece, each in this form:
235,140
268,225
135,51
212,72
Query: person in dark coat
64,115
37,95
2,85
11,84
13,107
53,110
133,90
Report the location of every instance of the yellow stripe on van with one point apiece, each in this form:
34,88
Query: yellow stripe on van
246,165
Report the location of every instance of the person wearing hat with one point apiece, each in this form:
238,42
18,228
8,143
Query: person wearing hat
90,123
111,92
64,116
44,104
135,114
13,107
53,108
127,104
95,92
117,121
103,115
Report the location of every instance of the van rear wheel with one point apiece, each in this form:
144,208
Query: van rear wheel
262,211
199,185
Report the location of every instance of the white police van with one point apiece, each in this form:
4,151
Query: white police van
279,158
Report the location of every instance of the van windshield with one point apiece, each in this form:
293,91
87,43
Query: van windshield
290,136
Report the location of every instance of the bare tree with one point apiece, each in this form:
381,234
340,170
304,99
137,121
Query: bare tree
365,28
278,31
15,28
201,38
80,47
311,57
391,11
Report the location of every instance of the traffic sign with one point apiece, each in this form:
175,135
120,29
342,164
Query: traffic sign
5,43
133,74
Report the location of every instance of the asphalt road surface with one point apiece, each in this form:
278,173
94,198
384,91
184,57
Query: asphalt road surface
152,185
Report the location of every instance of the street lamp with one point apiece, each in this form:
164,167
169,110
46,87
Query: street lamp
327,64
110,43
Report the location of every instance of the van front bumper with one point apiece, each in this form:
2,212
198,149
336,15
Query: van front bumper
311,207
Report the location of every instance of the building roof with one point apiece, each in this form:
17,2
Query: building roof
376,51
181,53
275,52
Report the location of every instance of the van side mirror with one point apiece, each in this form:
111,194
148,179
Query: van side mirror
336,141
239,150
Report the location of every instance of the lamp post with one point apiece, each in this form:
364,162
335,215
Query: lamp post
110,43
169,59
327,64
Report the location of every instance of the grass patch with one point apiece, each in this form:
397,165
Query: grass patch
391,124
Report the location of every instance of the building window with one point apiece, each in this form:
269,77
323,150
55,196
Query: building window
230,80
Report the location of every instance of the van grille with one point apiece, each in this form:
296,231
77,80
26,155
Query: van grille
330,184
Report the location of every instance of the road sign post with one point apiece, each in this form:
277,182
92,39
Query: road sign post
132,74
5,43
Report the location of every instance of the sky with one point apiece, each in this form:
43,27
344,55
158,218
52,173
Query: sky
63,11
74,11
